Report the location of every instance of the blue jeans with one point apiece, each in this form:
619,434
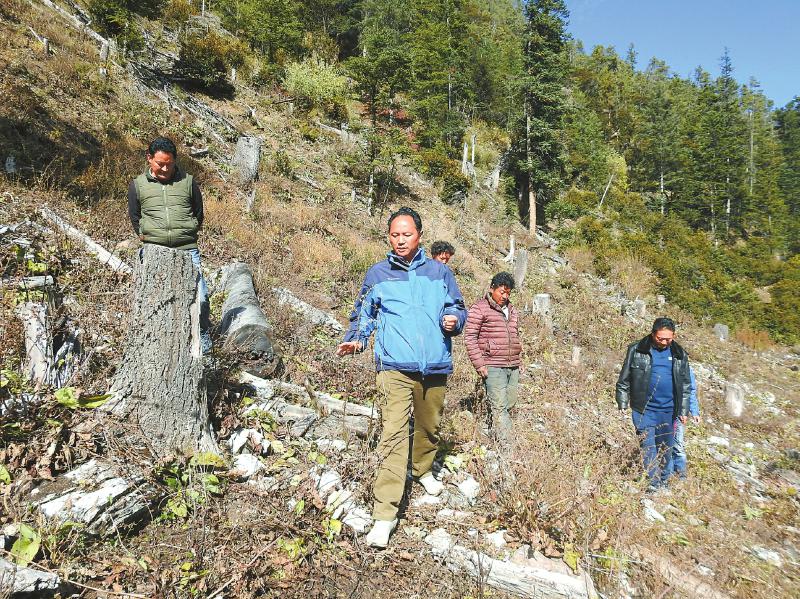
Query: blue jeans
656,432
202,290
679,449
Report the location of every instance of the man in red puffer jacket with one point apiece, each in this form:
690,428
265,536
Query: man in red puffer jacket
494,348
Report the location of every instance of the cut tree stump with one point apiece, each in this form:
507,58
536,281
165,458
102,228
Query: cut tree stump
38,348
160,383
244,326
246,159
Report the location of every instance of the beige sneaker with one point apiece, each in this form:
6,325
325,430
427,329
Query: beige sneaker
380,533
432,486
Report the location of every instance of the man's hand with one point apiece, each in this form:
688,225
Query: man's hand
696,419
483,371
682,419
623,414
348,348
449,322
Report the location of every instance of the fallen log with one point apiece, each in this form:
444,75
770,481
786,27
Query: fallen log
520,580
678,577
160,382
38,343
314,315
347,416
76,22
93,247
244,326
19,581
100,496
36,282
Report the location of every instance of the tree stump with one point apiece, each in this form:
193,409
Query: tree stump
246,159
160,382
244,326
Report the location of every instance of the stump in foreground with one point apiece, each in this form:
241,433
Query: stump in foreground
160,382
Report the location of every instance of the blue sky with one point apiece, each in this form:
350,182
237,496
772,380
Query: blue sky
761,37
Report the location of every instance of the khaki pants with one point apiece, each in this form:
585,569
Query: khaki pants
398,392
501,390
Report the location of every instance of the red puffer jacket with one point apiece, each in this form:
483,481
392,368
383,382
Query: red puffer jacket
492,340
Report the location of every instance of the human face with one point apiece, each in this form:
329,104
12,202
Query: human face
404,237
663,338
444,257
162,165
501,294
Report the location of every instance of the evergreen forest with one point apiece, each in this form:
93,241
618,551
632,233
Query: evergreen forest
697,177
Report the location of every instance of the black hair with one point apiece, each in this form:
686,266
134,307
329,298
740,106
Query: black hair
406,211
440,247
162,144
663,323
502,279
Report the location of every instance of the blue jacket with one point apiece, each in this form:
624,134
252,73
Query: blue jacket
694,405
405,303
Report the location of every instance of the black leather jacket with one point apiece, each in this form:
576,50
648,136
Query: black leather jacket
634,379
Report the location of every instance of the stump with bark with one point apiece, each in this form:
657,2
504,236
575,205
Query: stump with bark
160,383
244,327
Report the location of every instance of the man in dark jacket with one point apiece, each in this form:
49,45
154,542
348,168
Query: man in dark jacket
166,208
655,382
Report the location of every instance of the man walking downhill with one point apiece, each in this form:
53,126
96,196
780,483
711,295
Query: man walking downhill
415,308
494,348
655,382
166,208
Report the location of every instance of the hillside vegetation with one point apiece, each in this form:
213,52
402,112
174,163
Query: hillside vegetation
364,106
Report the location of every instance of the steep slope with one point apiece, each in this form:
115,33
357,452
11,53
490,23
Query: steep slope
571,487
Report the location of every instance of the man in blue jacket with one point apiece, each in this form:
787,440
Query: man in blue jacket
415,307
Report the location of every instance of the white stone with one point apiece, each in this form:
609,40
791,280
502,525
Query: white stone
358,519
15,580
469,488
426,499
239,439
651,513
497,539
332,445
721,441
327,482
247,465
769,556
448,513
704,570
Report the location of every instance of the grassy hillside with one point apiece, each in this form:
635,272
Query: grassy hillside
571,487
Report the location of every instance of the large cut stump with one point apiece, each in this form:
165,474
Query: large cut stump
160,382
244,325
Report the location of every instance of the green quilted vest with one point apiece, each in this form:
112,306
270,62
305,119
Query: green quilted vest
167,217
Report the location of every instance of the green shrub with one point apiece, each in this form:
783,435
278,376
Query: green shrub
115,18
454,185
206,57
573,204
316,84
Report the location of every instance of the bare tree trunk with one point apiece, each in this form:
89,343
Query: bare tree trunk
246,159
38,347
663,196
160,383
531,192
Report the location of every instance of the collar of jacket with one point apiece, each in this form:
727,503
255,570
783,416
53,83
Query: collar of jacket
176,176
645,345
418,260
494,304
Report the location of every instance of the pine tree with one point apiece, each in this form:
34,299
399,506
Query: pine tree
539,144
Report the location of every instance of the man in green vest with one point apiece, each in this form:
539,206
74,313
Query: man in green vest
166,208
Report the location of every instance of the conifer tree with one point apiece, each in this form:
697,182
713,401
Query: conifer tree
540,150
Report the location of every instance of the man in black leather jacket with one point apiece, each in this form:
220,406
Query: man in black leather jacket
655,382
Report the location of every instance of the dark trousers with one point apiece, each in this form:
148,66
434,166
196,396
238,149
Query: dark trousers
655,431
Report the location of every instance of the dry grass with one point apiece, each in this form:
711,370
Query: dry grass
581,258
633,276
